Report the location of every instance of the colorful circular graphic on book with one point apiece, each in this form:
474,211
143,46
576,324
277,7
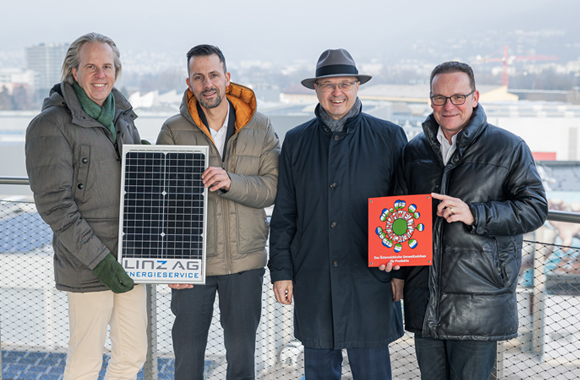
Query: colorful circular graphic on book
399,226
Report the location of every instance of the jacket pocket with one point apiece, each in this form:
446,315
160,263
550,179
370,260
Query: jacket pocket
107,230
500,276
72,273
252,228
211,242
83,163
475,270
509,258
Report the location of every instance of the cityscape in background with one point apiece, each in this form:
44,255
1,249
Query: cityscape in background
526,58
533,61
529,81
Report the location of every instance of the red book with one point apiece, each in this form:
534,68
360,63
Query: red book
401,230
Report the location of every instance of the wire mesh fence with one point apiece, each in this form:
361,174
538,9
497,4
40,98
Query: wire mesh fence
34,321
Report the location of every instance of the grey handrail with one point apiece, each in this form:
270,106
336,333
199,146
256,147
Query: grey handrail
556,216
564,216
14,181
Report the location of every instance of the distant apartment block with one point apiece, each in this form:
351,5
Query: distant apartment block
46,60
11,78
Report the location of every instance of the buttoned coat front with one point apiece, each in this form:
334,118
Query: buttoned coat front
319,231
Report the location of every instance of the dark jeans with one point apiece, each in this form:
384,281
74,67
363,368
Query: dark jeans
455,359
365,363
240,303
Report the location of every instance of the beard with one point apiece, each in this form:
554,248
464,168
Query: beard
212,103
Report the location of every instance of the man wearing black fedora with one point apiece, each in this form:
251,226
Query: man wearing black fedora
329,167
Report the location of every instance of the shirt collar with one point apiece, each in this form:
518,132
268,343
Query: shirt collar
441,137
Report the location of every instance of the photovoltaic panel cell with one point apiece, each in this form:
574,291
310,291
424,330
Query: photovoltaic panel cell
163,213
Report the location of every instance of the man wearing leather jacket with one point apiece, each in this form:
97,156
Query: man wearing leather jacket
487,194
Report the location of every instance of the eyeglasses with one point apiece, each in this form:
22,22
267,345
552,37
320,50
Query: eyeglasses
329,87
456,100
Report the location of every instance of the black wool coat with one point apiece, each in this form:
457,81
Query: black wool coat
319,231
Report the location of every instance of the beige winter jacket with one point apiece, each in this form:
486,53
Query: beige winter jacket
237,229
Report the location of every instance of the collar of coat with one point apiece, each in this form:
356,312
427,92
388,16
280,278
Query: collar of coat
63,95
242,99
349,123
466,136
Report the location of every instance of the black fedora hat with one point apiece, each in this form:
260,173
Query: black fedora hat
335,63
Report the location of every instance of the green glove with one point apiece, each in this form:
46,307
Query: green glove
112,275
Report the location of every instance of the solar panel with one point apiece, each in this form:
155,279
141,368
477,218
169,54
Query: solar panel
162,229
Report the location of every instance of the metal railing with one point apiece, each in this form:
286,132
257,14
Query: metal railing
14,181
34,322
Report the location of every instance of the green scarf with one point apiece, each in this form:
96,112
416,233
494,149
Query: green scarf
104,114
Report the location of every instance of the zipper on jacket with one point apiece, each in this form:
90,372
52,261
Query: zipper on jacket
228,255
227,239
224,204
226,215
232,159
444,190
110,138
116,145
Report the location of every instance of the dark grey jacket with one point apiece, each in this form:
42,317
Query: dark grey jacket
75,174
469,292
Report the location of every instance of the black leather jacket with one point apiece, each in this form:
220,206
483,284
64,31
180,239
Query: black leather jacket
469,292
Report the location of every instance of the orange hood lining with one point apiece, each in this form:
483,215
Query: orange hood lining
242,98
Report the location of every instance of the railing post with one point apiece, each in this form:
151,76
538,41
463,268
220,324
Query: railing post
497,372
538,304
151,369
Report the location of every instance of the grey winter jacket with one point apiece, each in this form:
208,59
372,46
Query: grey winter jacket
75,173
237,229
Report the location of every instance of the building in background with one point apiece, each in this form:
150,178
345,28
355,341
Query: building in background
46,60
